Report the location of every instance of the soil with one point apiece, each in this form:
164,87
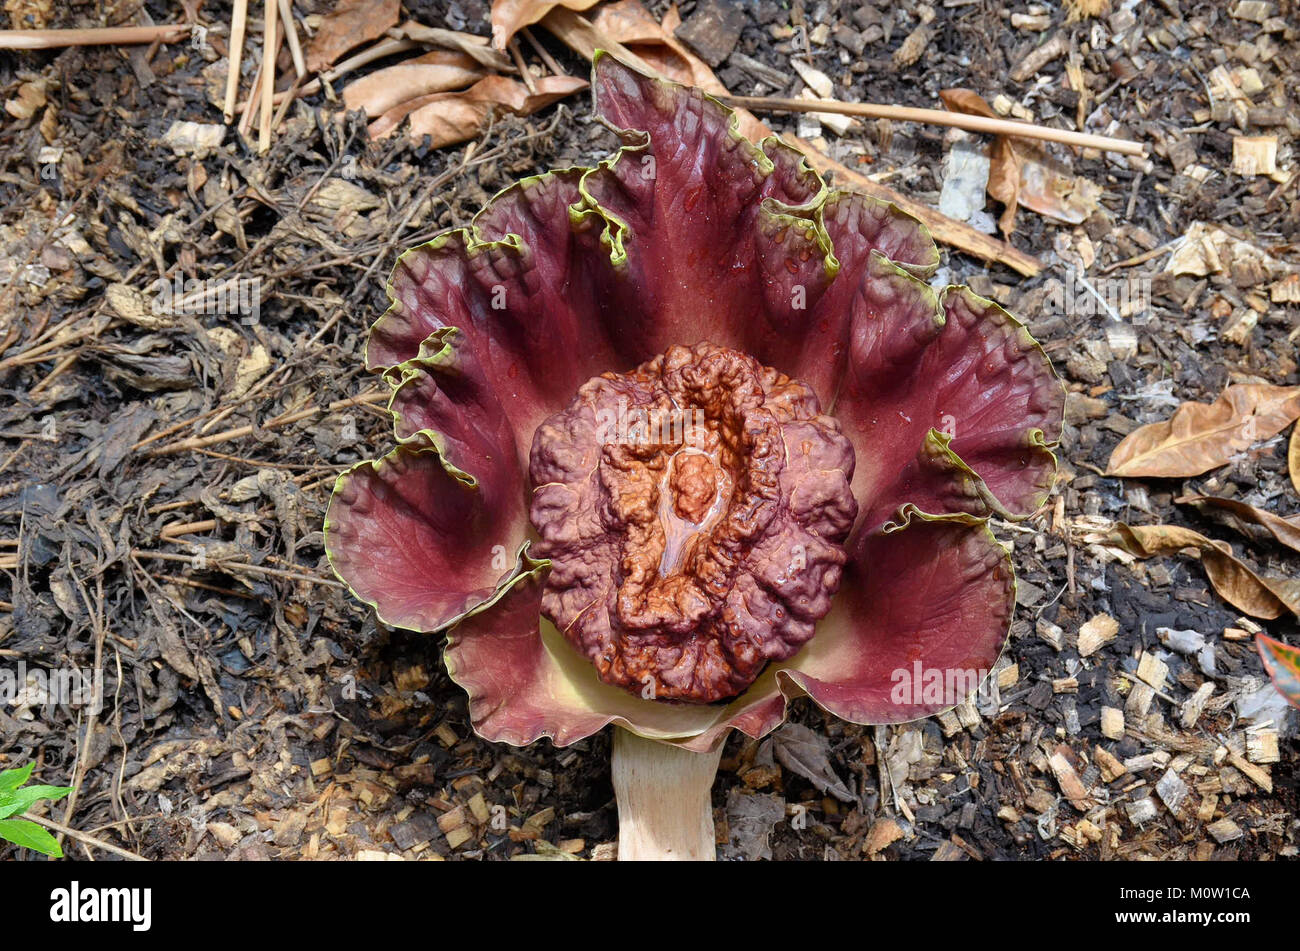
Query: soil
262,712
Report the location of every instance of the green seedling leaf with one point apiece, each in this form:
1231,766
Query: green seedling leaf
11,779
20,800
29,835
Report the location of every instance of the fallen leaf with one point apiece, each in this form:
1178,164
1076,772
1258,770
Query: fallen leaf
451,117
439,71
807,753
1283,665
627,30
1004,162
750,819
510,16
1284,530
349,24
1238,584
1200,436
1022,173
1293,458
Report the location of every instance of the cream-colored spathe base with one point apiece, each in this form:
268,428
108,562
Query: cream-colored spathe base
664,807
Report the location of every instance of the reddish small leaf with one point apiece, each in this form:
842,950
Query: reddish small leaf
1283,664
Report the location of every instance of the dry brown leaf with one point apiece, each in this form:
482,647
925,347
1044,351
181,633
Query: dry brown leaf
1004,162
451,117
1200,436
510,16
349,24
1240,515
627,30
439,71
1235,582
1293,458
476,46
1022,173
631,24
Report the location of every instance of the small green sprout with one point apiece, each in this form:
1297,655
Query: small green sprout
15,799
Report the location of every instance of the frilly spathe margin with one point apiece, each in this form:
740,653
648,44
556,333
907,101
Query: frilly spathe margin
564,700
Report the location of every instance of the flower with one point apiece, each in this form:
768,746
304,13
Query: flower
823,531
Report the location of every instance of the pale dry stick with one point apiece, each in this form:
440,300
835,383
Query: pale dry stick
202,442
270,49
291,34
93,36
1144,257
540,50
248,108
520,65
283,109
238,24
236,566
96,614
86,839
59,368
380,50
958,120
172,531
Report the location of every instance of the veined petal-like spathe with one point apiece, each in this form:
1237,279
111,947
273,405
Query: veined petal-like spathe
689,233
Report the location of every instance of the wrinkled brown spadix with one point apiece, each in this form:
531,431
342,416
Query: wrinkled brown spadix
693,510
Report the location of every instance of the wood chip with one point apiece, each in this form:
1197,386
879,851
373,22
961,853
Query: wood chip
1152,670
814,79
1225,830
1068,779
1194,705
455,819
1256,774
1172,791
1261,746
1051,633
1096,633
1143,810
1112,723
1111,768
1139,700
883,834
1255,11
1254,155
